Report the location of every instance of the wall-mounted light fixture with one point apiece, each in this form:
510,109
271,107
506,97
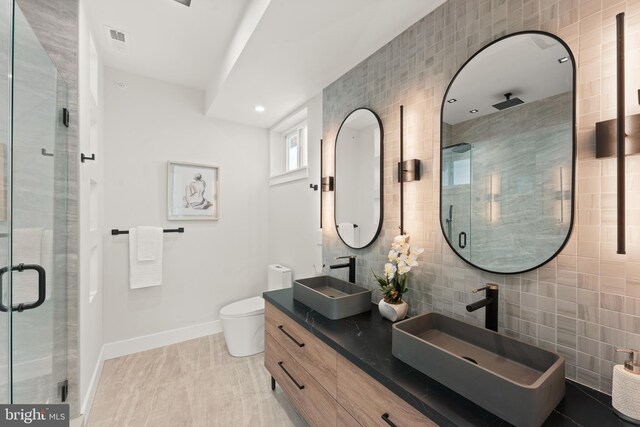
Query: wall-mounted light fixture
409,170
327,183
493,198
620,136
563,196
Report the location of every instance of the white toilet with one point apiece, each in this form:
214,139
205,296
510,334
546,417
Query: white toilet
243,321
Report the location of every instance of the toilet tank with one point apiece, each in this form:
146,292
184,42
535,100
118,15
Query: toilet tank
279,277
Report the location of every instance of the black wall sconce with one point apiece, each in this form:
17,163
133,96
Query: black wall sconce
620,136
409,170
327,183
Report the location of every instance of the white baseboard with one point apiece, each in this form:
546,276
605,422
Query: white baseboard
160,339
85,409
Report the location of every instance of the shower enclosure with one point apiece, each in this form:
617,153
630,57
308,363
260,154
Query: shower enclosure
33,217
457,192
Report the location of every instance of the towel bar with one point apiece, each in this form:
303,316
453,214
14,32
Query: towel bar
115,232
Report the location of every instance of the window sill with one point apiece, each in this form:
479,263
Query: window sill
289,176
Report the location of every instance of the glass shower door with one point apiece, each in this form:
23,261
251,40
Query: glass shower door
6,13
38,216
457,196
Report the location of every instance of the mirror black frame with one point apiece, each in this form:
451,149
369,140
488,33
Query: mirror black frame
337,180
573,149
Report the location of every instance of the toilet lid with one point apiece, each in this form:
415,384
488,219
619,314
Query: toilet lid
246,307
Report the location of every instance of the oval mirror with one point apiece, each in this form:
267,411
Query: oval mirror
507,160
358,178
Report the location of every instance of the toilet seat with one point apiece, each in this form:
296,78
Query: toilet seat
244,308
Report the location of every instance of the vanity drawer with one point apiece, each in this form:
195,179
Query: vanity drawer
345,419
315,356
317,405
371,403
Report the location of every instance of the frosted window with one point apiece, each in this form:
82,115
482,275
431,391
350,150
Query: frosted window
293,151
462,172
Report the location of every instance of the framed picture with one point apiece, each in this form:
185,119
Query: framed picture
193,191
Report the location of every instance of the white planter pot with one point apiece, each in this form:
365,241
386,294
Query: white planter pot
393,312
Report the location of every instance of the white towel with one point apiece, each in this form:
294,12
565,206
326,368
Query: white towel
143,274
348,233
27,249
149,239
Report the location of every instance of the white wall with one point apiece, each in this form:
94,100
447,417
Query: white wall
213,262
90,305
294,208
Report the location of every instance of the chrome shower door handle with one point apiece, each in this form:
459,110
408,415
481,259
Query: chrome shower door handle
42,287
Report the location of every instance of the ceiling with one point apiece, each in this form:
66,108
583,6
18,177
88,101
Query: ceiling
167,40
526,66
243,53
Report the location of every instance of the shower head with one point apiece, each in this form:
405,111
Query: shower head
510,102
463,147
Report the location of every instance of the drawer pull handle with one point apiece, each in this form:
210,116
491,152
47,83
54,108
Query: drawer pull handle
299,344
385,418
300,386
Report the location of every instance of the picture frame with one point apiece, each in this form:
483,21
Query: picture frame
193,192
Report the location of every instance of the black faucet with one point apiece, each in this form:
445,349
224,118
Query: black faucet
491,302
351,265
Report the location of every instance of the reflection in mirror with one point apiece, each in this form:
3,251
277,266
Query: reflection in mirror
507,154
358,178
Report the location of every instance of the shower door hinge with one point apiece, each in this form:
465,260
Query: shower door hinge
65,117
63,386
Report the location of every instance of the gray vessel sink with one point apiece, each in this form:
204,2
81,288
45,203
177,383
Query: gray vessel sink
516,381
331,297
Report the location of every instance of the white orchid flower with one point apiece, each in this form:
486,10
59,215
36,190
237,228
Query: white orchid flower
404,249
416,251
403,268
411,261
393,255
389,270
401,239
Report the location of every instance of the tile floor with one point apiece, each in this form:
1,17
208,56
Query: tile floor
194,383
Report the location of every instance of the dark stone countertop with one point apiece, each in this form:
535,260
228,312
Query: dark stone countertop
365,340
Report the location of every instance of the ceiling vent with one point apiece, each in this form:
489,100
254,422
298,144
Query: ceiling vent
117,39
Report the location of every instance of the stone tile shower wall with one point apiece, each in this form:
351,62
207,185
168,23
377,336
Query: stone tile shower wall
523,172
586,301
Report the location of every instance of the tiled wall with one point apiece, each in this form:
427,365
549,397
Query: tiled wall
585,302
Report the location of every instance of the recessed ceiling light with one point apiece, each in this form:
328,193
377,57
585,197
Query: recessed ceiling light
120,84
451,101
259,108
473,111
563,59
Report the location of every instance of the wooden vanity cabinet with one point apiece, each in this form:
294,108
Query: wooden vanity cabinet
326,388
